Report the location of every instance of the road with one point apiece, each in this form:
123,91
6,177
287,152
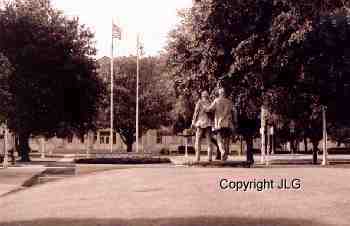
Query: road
180,196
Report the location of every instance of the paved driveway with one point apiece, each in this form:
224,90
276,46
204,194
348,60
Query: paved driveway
183,196
14,177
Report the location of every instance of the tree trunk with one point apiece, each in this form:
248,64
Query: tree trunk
128,140
24,148
297,145
305,145
292,146
16,144
314,152
249,152
129,147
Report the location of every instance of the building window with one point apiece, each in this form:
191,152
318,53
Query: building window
159,138
114,138
104,137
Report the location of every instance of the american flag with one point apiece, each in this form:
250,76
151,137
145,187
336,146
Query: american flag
140,45
116,32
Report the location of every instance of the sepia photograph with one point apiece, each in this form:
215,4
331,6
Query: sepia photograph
175,112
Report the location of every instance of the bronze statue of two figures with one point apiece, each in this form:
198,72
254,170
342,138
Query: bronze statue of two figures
210,119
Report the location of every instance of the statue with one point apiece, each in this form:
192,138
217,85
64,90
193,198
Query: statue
202,122
223,122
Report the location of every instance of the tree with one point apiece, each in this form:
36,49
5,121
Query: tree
155,97
184,107
308,61
326,66
6,71
273,60
253,46
200,48
182,55
54,86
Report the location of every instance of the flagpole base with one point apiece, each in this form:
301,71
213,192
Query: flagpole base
324,162
262,160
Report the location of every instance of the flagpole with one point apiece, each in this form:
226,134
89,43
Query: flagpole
112,81
137,91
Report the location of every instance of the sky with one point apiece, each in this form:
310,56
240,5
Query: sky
153,19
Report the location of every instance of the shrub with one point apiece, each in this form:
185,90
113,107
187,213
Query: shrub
124,160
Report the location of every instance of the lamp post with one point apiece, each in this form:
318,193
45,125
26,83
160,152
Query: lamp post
292,134
324,159
5,133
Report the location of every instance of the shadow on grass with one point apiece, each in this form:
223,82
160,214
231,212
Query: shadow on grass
193,221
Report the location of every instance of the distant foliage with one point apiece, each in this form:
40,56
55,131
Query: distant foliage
156,98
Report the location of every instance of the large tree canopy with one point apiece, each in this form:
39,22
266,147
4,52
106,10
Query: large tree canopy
54,85
258,50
